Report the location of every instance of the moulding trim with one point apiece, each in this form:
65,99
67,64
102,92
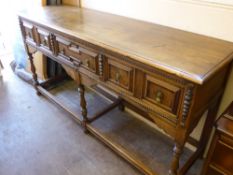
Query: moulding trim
210,3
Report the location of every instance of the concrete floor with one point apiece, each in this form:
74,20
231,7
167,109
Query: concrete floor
39,138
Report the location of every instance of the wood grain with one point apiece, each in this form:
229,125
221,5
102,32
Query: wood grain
158,46
169,76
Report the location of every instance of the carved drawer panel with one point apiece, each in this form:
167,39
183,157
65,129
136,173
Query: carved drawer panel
86,56
44,39
162,94
29,32
120,74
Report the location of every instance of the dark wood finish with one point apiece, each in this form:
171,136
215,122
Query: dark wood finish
120,74
161,47
44,39
170,76
33,69
138,79
77,53
29,32
219,160
83,106
162,94
190,161
177,151
52,82
105,110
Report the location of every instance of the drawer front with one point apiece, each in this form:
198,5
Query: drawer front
29,32
44,40
120,74
223,156
162,94
77,53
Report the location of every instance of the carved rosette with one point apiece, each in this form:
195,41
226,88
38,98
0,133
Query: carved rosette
100,60
187,103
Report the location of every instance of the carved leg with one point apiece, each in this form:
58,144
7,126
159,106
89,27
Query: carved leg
83,105
34,75
177,151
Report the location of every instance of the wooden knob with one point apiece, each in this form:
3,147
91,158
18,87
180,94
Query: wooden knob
45,42
62,51
87,62
117,77
159,96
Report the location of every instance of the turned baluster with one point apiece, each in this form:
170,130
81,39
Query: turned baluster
83,106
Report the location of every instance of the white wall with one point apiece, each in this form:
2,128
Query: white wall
204,18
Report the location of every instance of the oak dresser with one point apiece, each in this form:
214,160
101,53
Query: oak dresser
169,76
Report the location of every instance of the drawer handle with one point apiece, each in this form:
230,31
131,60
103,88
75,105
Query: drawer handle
44,42
75,61
87,62
159,96
74,48
63,51
117,77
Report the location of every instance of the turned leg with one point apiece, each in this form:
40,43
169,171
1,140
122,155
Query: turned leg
34,75
83,106
177,151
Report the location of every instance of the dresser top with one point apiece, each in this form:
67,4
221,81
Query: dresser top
188,55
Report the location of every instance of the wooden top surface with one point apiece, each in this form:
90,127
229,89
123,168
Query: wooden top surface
188,55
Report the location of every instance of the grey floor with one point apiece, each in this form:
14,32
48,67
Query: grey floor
38,138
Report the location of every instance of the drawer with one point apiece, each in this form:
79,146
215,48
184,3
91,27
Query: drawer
223,156
161,94
88,57
44,40
120,74
29,32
